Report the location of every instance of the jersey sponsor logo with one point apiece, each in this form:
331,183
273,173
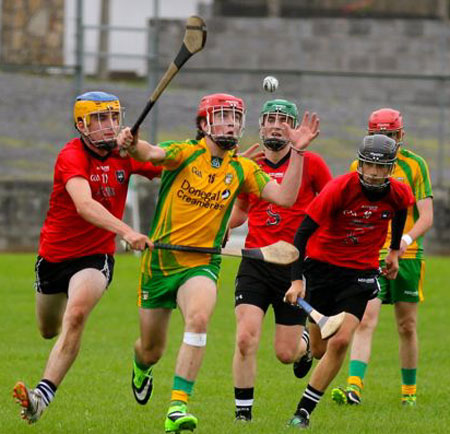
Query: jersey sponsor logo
198,197
274,218
120,176
197,171
94,178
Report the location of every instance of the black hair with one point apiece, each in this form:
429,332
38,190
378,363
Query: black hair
200,132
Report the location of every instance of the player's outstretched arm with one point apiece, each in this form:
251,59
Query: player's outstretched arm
95,213
138,149
422,224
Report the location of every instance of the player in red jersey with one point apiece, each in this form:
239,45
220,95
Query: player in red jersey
342,233
259,284
75,260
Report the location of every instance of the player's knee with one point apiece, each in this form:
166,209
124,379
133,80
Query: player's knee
339,343
74,318
285,355
368,323
246,342
198,322
407,327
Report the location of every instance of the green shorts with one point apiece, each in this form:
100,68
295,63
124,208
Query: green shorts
408,286
160,291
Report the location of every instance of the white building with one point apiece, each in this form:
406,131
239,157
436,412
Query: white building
125,13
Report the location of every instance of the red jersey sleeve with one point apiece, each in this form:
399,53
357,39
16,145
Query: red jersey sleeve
146,169
403,195
321,173
323,207
71,163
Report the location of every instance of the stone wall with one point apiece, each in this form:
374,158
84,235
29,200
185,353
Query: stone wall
32,32
327,8
328,44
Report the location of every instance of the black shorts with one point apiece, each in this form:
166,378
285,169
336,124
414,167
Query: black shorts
54,277
261,284
331,289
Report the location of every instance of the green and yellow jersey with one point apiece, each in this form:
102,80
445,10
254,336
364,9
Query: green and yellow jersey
195,200
412,170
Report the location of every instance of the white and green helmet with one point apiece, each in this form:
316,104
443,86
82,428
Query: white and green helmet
282,109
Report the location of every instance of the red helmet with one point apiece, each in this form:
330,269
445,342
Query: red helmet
219,100
215,108
385,119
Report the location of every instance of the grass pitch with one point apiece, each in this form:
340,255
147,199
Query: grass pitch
96,395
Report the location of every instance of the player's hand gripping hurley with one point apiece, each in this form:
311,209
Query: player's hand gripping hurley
328,325
281,252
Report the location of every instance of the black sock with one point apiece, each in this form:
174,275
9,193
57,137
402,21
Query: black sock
244,401
48,390
310,399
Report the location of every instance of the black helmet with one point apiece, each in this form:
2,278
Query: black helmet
377,149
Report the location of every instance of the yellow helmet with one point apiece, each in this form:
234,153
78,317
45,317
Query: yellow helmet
94,102
98,104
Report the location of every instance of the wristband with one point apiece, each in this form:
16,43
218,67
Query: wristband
407,239
298,151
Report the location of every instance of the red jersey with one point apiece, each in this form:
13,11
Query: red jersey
269,223
352,229
65,233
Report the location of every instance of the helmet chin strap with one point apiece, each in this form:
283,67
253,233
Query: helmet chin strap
106,145
375,188
275,144
225,143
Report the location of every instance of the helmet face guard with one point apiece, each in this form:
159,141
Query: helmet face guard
225,119
376,161
225,125
272,130
101,115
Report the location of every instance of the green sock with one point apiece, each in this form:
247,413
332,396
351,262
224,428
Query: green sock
409,376
357,369
180,383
